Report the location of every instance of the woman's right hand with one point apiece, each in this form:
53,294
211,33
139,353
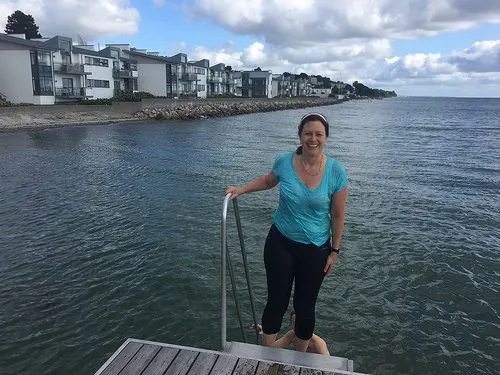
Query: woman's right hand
234,191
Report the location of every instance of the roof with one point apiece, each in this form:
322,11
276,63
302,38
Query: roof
89,52
153,57
126,59
26,42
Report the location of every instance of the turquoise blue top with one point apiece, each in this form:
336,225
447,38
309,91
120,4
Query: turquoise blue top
303,214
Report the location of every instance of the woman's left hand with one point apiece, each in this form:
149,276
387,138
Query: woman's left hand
330,262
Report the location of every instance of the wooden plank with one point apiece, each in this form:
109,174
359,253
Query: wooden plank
140,360
182,363
162,361
224,365
310,371
246,366
122,359
288,370
267,368
203,364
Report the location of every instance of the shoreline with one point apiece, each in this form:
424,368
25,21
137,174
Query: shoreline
14,119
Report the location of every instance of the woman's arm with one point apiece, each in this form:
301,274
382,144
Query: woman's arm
285,341
337,210
264,182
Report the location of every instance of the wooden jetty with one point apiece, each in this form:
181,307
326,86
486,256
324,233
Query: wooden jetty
140,357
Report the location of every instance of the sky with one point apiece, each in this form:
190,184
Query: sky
415,47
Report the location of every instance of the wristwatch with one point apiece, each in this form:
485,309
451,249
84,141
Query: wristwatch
333,250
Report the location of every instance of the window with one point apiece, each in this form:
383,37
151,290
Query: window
199,71
44,58
99,83
201,88
41,73
66,58
96,61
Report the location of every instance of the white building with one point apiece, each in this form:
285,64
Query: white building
202,70
221,80
125,73
99,84
157,75
70,74
320,92
26,73
281,86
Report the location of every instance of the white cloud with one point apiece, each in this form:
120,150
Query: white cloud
90,19
472,71
351,40
287,22
481,57
159,2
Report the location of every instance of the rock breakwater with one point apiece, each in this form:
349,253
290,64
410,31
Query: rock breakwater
208,108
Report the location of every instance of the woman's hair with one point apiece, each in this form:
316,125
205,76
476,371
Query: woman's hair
312,117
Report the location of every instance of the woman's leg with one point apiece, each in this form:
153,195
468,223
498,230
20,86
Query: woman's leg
309,276
279,272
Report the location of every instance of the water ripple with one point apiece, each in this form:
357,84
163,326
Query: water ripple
113,232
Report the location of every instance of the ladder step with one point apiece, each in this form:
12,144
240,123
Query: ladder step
290,357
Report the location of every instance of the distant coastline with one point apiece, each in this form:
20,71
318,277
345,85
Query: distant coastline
42,117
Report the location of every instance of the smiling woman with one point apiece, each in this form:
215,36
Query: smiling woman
304,239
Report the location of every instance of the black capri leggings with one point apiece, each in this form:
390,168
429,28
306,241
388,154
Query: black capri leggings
286,261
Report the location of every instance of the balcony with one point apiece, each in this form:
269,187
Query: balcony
215,80
71,93
189,77
125,73
70,69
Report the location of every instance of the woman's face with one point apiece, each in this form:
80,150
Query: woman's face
313,137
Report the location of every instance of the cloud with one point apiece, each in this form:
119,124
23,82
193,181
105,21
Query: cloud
473,71
90,19
291,22
481,57
159,2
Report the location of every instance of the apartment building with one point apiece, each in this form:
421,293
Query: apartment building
125,73
321,92
256,84
61,72
281,86
26,73
156,74
221,80
192,77
70,75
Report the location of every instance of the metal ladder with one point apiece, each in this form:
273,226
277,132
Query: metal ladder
226,262
329,363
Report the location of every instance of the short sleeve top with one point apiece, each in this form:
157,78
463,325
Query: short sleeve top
303,214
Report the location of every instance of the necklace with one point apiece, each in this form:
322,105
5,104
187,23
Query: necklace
312,173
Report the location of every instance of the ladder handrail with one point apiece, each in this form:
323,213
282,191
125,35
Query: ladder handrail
223,270
224,262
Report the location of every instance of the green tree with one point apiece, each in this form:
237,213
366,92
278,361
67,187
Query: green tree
20,23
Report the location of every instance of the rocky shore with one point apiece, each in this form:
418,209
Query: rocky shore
221,109
39,117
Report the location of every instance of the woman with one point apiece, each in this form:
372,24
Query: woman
313,192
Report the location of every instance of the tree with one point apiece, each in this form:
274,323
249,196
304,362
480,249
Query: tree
20,23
